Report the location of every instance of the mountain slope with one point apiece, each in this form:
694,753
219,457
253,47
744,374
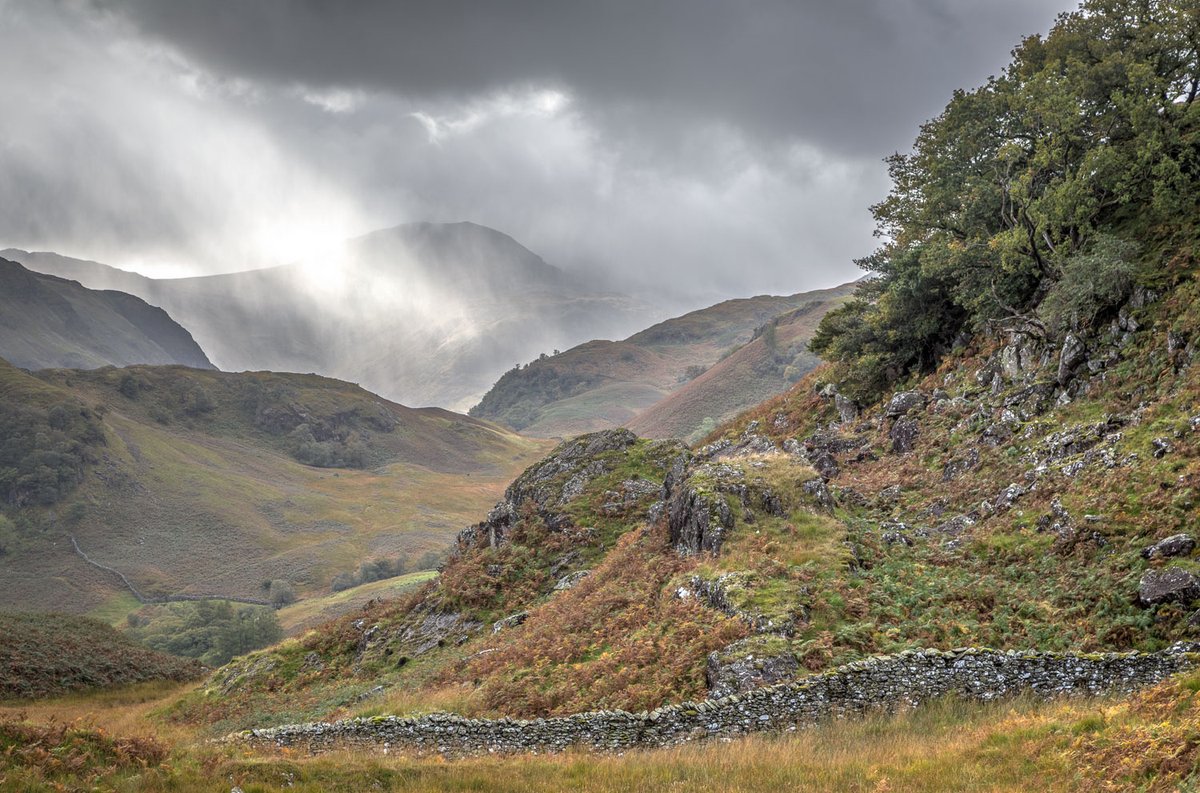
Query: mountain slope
47,322
604,384
423,313
201,482
761,368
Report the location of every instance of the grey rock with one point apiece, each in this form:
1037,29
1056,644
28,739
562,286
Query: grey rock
1170,584
1175,545
964,463
1073,353
847,409
903,402
904,435
570,580
511,621
1160,447
728,673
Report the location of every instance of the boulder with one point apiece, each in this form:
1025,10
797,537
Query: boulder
956,467
511,621
1171,584
1073,353
904,435
847,409
1175,545
903,402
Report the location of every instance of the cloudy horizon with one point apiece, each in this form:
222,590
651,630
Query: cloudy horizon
699,149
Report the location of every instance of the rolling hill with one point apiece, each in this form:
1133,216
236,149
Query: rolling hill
191,482
423,313
761,368
48,322
50,654
603,384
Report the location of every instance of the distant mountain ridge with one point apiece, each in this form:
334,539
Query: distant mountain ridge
422,313
603,384
51,322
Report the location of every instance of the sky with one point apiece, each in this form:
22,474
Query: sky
696,148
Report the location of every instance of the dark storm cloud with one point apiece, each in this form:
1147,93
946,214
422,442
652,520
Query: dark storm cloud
697,149
853,75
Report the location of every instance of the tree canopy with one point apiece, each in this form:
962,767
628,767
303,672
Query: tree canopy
1020,206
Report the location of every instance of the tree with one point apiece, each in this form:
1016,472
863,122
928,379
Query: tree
280,593
1011,198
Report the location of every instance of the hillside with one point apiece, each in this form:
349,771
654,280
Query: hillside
604,384
1012,468
51,654
766,365
48,322
191,482
423,313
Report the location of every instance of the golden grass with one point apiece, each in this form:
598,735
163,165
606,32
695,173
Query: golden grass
1146,742
312,611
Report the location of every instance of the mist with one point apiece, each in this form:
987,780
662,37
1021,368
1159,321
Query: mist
681,152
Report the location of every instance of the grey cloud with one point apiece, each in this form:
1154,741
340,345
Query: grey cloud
693,147
852,76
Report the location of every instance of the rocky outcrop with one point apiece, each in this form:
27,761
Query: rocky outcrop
903,680
547,487
698,521
738,669
1171,584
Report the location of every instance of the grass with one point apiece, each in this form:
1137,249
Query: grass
313,611
601,384
1144,743
213,503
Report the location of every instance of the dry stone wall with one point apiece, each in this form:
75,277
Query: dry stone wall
886,682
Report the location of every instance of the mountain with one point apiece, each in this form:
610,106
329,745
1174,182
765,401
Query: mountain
603,384
190,482
48,322
423,313
766,365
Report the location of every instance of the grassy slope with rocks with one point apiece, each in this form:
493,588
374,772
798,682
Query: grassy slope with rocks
604,384
47,321
766,365
1012,475
45,655
976,509
195,482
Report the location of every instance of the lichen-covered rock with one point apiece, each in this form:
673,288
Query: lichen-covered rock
1171,584
511,621
570,580
737,669
847,408
1175,545
904,435
963,463
903,402
698,521
1073,353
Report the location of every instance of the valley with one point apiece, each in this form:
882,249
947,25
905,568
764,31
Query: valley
937,528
